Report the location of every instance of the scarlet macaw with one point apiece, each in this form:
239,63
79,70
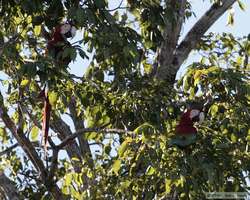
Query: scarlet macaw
185,132
59,41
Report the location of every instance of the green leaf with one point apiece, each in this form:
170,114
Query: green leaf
147,68
28,69
100,3
53,97
65,190
248,138
37,30
241,5
150,170
34,133
80,15
116,166
181,181
144,128
73,54
168,186
233,138
68,179
125,184
197,77
24,83
66,52
124,146
186,83
213,110
3,136
230,19
107,149
91,136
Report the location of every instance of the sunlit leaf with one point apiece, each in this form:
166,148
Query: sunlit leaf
116,166
168,187
24,82
37,30
213,110
53,97
34,133
241,5
123,147
150,170
230,19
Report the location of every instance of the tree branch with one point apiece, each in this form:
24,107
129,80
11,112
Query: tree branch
171,34
59,126
78,123
22,140
63,130
67,140
28,148
118,7
168,71
54,165
8,187
9,149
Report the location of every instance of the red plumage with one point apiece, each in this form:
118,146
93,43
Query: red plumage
45,115
185,132
59,42
46,119
186,124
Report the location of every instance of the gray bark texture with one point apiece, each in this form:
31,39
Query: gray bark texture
8,188
170,55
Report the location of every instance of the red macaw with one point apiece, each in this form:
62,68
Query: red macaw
59,41
185,132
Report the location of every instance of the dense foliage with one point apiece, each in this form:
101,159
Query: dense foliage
119,92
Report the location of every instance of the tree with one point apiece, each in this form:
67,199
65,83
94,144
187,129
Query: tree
124,109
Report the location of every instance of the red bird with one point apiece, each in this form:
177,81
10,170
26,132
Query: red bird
185,132
59,41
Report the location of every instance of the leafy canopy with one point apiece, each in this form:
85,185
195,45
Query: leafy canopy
118,91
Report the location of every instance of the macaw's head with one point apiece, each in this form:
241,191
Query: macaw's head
186,124
64,31
68,30
196,115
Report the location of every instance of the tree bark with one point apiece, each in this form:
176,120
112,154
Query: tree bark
79,124
28,148
8,187
169,65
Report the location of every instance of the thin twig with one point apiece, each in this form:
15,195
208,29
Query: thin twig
54,165
118,7
9,149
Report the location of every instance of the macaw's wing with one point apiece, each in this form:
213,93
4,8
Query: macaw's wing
183,140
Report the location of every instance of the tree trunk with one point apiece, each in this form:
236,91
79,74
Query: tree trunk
8,188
